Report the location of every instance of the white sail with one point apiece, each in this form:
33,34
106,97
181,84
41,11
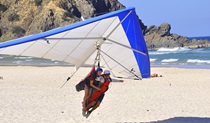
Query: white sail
118,34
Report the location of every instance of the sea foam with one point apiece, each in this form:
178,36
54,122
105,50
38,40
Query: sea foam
152,60
170,60
198,61
176,49
158,53
23,57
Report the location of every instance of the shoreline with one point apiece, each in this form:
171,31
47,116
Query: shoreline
205,67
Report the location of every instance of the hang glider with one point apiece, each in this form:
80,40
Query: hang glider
117,36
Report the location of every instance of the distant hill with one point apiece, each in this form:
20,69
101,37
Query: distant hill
20,18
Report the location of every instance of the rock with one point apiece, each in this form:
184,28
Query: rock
150,30
105,6
143,27
157,37
0,33
51,13
164,29
198,44
49,22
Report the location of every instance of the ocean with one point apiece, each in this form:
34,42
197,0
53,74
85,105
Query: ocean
180,57
163,57
6,60
200,38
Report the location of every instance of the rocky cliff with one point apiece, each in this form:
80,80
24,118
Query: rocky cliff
161,36
25,17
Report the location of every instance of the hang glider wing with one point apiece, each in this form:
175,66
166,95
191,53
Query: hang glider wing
122,45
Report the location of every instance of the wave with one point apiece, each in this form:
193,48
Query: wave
176,49
152,60
169,60
23,57
1,57
158,53
17,62
29,60
202,50
198,61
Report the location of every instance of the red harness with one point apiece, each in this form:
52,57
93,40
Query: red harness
103,86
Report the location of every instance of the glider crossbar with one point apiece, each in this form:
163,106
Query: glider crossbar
120,64
119,24
74,38
127,47
108,66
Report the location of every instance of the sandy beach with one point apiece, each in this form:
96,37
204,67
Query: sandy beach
33,95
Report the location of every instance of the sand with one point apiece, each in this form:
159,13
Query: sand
33,95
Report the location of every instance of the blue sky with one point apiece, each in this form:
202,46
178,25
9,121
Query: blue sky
187,17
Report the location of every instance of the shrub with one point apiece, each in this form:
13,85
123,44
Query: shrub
16,1
18,31
3,8
38,2
13,17
66,16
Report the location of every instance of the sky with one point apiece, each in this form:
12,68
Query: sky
189,18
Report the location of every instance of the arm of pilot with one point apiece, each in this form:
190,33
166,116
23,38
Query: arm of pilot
117,80
91,84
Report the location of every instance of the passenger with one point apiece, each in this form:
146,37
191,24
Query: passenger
97,97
